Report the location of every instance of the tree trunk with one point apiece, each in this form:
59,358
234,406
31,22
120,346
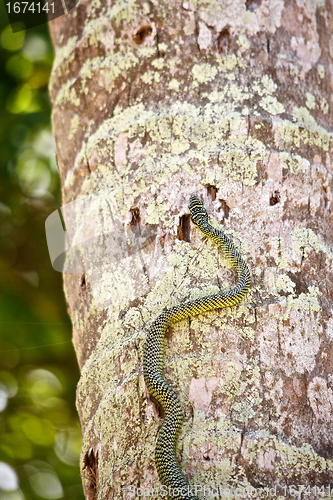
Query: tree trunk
154,101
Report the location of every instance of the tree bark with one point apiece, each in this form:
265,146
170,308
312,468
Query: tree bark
231,100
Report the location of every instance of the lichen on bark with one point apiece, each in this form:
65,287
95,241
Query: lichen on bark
154,101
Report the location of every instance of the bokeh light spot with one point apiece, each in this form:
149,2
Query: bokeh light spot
8,477
22,100
39,430
12,41
68,446
35,47
19,66
34,177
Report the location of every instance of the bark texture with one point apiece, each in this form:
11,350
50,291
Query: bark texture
154,100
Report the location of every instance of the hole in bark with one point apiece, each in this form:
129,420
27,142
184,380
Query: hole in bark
211,191
184,228
83,281
122,314
162,240
135,221
325,197
326,201
225,208
142,33
224,41
268,46
252,5
275,198
301,285
159,408
90,461
149,244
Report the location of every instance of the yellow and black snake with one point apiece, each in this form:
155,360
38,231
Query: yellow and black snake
167,464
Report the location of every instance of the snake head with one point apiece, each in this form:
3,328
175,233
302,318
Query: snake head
197,211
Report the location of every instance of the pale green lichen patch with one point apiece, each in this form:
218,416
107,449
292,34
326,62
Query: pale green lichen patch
150,76
305,130
265,88
181,135
277,282
292,336
93,31
243,42
174,85
112,284
285,458
66,52
247,333
119,11
307,301
159,63
279,252
233,384
74,126
272,105
242,411
240,160
293,162
294,71
310,101
324,106
304,240
261,450
179,147
155,211
229,62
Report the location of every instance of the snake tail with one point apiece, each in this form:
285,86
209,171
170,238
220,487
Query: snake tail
168,468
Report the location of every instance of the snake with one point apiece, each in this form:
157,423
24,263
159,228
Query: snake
167,465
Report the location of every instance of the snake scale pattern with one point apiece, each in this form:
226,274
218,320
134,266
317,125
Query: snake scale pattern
167,465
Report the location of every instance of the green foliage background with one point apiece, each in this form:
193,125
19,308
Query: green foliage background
39,431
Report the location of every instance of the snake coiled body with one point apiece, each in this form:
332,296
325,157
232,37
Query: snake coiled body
166,461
